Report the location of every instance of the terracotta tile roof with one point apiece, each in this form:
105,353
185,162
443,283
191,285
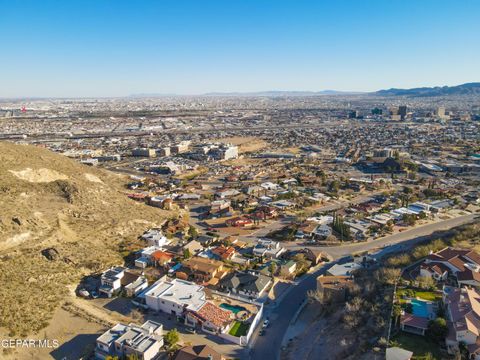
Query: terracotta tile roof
224,252
161,255
214,314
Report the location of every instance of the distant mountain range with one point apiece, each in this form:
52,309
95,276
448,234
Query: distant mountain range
273,93
464,89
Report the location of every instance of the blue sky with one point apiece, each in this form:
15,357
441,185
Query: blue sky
116,48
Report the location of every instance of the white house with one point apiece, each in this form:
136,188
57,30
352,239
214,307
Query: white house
144,341
175,296
268,248
111,280
137,286
155,237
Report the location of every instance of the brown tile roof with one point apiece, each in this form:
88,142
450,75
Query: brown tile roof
203,265
224,252
214,314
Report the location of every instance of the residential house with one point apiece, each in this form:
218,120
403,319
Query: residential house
203,270
239,221
463,314
186,299
264,213
413,324
226,193
194,247
161,258
268,248
198,352
209,318
315,256
136,287
437,271
111,280
396,353
143,341
287,268
223,252
248,284
346,269
144,260
206,240
175,296
463,264
155,237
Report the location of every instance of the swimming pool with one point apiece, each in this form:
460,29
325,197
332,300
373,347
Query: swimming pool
233,308
420,308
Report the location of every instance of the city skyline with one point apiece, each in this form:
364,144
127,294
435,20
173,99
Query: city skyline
116,49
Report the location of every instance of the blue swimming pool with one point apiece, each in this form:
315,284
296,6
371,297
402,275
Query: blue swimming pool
233,308
420,308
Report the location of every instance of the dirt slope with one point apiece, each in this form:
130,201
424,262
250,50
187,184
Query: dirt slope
50,201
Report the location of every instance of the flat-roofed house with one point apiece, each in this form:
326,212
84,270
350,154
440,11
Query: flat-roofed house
111,280
143,342
175,296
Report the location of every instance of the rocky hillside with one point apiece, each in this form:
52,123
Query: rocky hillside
50,204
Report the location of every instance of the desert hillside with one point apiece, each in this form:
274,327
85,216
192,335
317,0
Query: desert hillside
49,201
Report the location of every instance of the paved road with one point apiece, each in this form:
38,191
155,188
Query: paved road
269,345
412,236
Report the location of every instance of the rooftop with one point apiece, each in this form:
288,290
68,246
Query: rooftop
179,291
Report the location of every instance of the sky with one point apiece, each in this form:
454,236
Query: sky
102,48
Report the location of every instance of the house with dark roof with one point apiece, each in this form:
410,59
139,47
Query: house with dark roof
247,284
198,352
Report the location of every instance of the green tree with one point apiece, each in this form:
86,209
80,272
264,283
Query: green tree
192,232
438,329
397,311
172,337
186,253
272,268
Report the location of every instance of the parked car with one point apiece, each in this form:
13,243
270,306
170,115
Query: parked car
262,332
94,294
83,293
266,323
